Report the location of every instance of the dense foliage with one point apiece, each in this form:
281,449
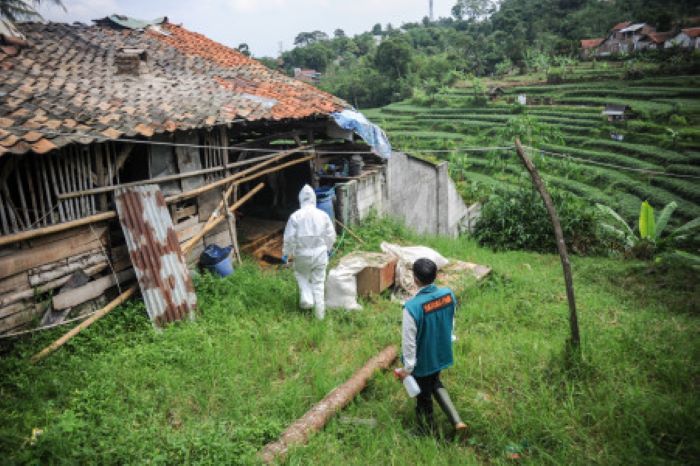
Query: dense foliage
387,63
519,220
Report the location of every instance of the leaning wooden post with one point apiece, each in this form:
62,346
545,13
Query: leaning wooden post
186,248
561,244
319,414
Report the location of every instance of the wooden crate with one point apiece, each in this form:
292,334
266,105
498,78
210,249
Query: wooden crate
376,278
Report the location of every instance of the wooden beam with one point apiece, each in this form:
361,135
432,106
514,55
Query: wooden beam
211,225
37,232
84,324
25,235
179,176
319,414
234,177
90,290
561,244
33,257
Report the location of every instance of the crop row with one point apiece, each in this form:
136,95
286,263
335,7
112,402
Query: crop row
652,153
599,156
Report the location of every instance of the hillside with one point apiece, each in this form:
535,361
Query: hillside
578,154
215,390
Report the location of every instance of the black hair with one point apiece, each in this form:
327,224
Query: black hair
425,271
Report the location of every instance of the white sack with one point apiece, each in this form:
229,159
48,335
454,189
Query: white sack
407,255
341,287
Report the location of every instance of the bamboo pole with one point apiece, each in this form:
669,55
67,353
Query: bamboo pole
349,231
179,176
84,324
238,175
319,414
561,244
35,233
186,248
218,219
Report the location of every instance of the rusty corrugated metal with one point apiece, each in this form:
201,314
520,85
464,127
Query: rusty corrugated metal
155,254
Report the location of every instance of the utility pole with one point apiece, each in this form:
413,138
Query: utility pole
431,11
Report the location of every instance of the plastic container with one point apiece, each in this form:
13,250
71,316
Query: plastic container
324,200
217,259
409,384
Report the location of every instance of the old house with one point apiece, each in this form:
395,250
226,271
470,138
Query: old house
589,47
614,112
86,111
653,41
308,76
623,38
688,38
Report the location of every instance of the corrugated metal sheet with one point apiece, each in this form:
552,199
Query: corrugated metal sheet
155,254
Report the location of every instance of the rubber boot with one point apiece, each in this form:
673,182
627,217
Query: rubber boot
443,399
426,422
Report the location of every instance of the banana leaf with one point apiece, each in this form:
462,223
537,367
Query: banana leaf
608,211
647,226
664,216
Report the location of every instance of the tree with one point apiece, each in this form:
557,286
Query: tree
339,33
472,9
16,10
377,30
308,38
244,49
394,57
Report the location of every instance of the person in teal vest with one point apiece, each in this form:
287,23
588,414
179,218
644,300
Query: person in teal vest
426,344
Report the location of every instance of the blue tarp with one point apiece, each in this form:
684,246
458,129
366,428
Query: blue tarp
372,134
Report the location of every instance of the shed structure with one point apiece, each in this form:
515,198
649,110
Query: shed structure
87,111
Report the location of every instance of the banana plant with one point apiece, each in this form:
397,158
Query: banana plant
649,239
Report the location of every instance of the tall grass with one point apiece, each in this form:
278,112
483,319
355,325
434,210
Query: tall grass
215,390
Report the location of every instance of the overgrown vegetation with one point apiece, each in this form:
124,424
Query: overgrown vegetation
216,389
519,220
390,63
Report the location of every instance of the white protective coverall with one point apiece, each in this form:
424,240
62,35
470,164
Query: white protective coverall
309,237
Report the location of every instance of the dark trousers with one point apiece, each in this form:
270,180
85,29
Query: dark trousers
424,401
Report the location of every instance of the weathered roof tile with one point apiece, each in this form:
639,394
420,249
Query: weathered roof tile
67,80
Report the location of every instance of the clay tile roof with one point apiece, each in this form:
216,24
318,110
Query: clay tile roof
591,43
659,37
692,32
65,83
620,26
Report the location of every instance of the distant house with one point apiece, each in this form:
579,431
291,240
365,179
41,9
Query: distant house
653,41
589,46
495,92
688,38
308,76
616,112
623,38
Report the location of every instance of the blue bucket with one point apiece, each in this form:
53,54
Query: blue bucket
324,200
217,259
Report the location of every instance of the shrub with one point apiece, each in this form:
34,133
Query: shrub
519,220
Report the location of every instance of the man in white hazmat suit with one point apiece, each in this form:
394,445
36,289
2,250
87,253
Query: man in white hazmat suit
309,238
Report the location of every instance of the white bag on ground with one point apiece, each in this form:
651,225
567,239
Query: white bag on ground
341,286
407,255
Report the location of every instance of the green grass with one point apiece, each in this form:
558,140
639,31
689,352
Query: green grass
217,389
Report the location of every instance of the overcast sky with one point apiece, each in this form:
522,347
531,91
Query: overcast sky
262,24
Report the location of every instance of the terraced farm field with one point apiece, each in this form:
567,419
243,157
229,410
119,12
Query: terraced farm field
661,139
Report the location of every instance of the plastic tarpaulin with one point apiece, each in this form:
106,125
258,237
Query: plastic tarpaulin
369,132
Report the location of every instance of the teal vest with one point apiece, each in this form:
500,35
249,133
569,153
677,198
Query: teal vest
432,309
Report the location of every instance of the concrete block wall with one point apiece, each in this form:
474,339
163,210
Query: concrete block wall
418,192
423,195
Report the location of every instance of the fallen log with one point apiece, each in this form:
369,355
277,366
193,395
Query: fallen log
317,417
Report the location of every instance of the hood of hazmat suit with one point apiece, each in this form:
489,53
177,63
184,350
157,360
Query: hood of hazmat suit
309,237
